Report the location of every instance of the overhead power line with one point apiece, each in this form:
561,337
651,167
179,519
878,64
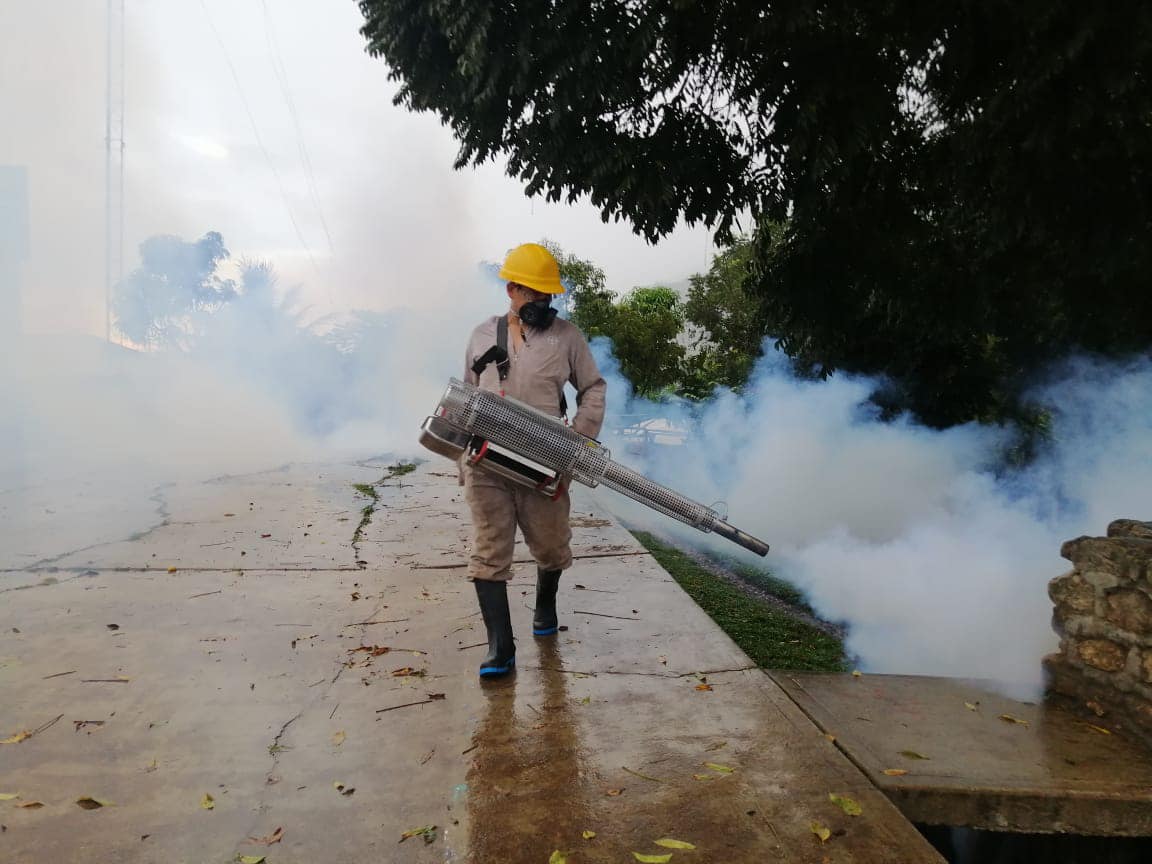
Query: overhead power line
281,71
260,144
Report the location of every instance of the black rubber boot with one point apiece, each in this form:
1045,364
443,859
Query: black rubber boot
501,657
544,621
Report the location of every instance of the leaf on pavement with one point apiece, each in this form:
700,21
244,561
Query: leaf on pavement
912,754
849,806
208,802
1008,718
275,837
703,686
338,738
652,859
8,796
615,793
820,831
342,789
558,857
588,835
31,805
17,738
406,672
722,769
427,832
703,776
250,859
895,772
972,706
90,803
1099,729
669,843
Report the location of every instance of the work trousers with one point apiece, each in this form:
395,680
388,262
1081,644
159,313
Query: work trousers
498,507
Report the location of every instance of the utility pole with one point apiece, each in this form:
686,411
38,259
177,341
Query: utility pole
114,161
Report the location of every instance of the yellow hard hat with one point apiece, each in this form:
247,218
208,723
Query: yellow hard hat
533,266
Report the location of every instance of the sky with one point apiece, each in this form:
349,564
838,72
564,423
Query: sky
265,120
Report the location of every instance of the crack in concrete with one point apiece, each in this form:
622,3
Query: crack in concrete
670,675
157,498
86,571
582,557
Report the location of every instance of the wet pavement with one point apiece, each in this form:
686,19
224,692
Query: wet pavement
958,753
318,682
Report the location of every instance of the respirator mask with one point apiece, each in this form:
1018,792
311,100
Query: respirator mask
538,314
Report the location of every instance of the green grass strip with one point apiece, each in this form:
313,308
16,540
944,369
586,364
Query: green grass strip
773,638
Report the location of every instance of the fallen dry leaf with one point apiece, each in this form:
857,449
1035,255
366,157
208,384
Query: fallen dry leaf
723,769
90,803
831,738
615,792
250,859
342,789
588,835
820,831
852,808
1099,729
652,859
895,772
17,738
31,805
972,706
558,857
8,796
372,650
406,672
703,776
1008,718
669,843
171,569
275,837
912,754
208,802
856,673
338,738
703,686
427,832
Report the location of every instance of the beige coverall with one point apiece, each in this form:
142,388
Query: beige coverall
539,369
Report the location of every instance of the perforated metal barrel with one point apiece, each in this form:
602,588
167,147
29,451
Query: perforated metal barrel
546,440
525,430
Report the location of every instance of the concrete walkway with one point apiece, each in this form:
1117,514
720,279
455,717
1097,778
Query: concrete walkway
236,649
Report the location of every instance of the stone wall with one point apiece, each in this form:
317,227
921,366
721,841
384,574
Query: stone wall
1104,617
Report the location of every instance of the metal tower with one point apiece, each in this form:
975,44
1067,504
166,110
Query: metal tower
114,161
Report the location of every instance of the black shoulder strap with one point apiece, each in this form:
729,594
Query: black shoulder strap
497,354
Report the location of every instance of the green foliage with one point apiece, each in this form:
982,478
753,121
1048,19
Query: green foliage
590,302
645,328
729,321
966,187
769,635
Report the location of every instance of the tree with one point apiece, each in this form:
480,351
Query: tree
967,188
588,299
645,327
174,280
729,322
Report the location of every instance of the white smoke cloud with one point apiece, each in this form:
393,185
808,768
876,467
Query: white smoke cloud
937,561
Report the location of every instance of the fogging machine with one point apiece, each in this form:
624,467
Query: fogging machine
514,440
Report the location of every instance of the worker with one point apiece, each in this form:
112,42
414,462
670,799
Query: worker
535,355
